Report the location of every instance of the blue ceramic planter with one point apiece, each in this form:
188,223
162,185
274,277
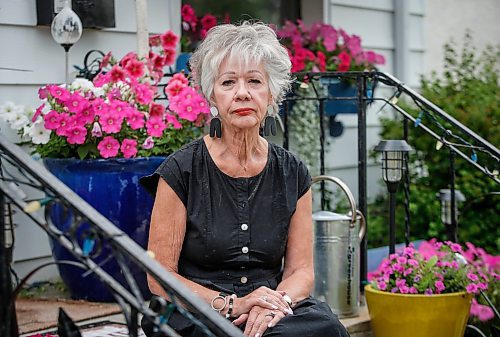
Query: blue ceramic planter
346,90
181,63
112,187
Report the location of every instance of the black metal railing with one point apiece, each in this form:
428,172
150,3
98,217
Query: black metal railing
453,135
18,170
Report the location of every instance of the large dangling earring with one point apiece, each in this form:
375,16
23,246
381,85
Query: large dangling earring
270,122
215,124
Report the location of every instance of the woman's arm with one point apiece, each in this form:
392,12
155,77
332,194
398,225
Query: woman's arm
166,236
298,273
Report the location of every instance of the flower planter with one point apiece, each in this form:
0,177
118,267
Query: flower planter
413,315
112,187
181,63
348,94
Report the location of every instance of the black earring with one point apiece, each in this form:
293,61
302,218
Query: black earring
215,124
270,122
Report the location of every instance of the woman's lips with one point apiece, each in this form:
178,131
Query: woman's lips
243,111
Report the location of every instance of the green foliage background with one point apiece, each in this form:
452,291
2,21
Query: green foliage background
469,91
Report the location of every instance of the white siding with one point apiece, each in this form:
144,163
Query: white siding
28,47
375,22
447,19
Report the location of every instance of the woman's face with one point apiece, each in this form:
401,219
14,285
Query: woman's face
241,93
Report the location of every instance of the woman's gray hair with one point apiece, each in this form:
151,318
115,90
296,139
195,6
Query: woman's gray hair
250,41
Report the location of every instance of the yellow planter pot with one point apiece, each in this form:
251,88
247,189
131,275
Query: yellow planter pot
396,315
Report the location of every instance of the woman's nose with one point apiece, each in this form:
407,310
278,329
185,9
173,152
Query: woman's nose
242,92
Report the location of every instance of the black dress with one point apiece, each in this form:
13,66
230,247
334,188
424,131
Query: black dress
237,230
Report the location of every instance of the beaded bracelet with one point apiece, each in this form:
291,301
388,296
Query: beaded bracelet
221,296
231,302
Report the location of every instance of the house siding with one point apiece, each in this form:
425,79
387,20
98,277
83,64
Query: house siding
39,60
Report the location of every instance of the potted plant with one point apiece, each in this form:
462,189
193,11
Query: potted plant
194,30
100,136
426,293
321,47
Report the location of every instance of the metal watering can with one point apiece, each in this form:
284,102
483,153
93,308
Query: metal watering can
337,239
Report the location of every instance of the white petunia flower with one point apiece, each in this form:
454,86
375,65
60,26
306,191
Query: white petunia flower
82,83
38,133
19,121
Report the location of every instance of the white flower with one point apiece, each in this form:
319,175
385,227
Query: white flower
19,121
38,133
82,83
9,112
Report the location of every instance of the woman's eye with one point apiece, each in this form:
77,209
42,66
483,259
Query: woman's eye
255,81
227,82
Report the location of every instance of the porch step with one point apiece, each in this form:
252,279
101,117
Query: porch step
359,326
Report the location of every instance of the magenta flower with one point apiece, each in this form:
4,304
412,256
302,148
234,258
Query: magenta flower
439,286
382,286
169,40
37,113
143,93
86,116
117,74
135,119
428,291
173,121
155,126
472,277
52,120
57,92
157,110
135,68
471,288
108,147
111,123
64,123
76,134
129,148
76,103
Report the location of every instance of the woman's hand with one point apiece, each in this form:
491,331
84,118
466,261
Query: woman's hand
262,297
259,320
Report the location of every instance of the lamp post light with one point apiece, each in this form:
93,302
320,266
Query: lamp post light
393,164
66,29
449,211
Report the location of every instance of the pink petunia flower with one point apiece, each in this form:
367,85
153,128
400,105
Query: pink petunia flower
117,74
111,123
135,68
99,107
155,126
143,93
64,123
108,147
76,134
174,88
439,286
157,110
472,277
471,288
169,40
173,121
37,113
52,120
135,119
129,148
58,92
76,103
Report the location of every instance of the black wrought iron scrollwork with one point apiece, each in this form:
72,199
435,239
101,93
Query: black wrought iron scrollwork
91,64
85,238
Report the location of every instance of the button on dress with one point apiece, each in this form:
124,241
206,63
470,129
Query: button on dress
237,228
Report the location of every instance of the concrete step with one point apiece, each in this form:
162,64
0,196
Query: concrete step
359,326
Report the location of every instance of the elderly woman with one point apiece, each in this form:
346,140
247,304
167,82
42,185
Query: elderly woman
232,213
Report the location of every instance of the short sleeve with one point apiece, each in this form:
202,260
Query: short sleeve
171,171
304,179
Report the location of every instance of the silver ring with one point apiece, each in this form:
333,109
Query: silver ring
271,314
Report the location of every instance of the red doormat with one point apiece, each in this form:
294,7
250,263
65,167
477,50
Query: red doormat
41,314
